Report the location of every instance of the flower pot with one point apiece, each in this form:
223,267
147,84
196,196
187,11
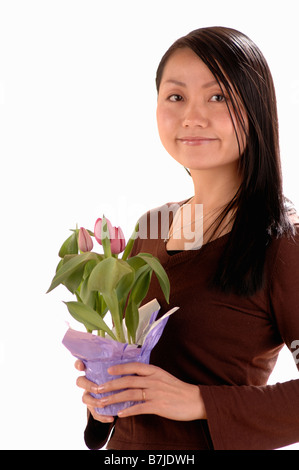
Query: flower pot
98,354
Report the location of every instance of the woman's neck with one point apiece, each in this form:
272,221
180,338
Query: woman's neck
215,188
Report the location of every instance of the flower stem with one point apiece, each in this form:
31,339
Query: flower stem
119,332
105,236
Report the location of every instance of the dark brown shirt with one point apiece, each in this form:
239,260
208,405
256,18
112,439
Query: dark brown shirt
226,344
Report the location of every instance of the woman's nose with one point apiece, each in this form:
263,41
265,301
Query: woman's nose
195,116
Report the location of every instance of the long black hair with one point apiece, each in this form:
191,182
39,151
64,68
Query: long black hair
258,207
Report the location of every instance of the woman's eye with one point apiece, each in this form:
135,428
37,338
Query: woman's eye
218,99
175,98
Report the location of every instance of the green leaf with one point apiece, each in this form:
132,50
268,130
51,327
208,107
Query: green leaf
113,305
70,267
89,297
141,285
124,286
160,272
135,262
130,243
90,319
111,301
59,265
101,306
90,265
73,281
107,274
132,319
70,246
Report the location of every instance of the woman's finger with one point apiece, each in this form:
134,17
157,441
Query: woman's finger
93,403
80,365
133,368
83,382
135,395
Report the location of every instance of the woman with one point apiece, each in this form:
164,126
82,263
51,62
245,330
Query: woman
206,386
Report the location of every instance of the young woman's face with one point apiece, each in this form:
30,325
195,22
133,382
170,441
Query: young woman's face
194,122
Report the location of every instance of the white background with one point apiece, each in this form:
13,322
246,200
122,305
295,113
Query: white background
78,139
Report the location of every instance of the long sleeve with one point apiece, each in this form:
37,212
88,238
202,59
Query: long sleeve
252,417
96,433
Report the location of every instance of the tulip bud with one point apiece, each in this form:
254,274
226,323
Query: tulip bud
115,234
84,240
98,230
118,243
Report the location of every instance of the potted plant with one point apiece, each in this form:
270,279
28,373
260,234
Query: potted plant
105,283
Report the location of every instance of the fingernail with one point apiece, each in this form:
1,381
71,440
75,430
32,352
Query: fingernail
104,400
97,388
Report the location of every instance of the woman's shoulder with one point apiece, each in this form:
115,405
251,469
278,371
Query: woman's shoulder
283,254
161,212
154,225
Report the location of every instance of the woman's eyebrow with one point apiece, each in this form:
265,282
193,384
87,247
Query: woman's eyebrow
210,84
179,83
176,82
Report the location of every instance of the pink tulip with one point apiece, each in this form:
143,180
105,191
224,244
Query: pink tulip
98,230
84,240
118,244
117,239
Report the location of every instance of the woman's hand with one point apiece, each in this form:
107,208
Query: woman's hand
160,392
90,387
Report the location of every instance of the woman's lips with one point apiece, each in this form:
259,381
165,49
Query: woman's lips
195,140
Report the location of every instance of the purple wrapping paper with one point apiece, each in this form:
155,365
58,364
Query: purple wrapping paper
98,354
